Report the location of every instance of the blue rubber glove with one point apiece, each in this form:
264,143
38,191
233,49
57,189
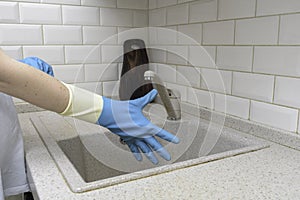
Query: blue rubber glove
38,64
125,118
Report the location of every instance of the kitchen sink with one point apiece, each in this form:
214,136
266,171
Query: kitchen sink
90,157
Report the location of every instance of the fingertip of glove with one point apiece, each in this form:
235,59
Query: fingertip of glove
154,91
155,162
167,157
164,154
138,156
152,158
175,140
152,94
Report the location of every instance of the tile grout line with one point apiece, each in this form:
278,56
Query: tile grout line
279,27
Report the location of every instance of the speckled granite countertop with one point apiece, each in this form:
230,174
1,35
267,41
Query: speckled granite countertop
271,173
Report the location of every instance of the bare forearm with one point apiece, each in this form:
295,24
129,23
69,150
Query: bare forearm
27,83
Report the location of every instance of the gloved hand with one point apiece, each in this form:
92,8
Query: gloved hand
125,118
38,64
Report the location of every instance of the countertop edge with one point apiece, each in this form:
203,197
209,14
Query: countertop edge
189,182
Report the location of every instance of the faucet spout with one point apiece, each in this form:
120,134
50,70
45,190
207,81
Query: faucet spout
169,100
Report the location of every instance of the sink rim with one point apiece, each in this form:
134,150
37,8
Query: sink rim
77,184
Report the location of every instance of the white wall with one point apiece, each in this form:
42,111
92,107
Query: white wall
67,34
251,48
255,45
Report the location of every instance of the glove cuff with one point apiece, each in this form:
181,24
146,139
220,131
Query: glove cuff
83,104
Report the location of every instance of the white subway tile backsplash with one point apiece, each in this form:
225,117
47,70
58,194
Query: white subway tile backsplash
95,87
152,66
40,13
111,53
164,3
183,1
80,15
166,35
133,4
232,105
216,80
235,58
271,7
79,36
97,35
101,72
203,11
232,9
188,76
116,17
289,30
111,88
82,54
262,30
140,18
69,73
287,91
281,60
298,131
179,88
167,73
190,34
13,51
100,3
201,98
276,116
152,4
218,33
54,34
50,54
9,12
34,1
202,56
192,97
132,33
253,86
177,54
163,35
177,14
20,34
70,2
157,54
158,17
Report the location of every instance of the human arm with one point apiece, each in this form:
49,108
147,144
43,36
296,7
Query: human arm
123,118
34,86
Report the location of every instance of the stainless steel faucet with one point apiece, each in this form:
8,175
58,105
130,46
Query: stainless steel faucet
169,99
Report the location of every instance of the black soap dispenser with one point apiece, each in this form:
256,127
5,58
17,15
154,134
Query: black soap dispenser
135,62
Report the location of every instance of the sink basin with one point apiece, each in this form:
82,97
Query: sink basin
90,157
